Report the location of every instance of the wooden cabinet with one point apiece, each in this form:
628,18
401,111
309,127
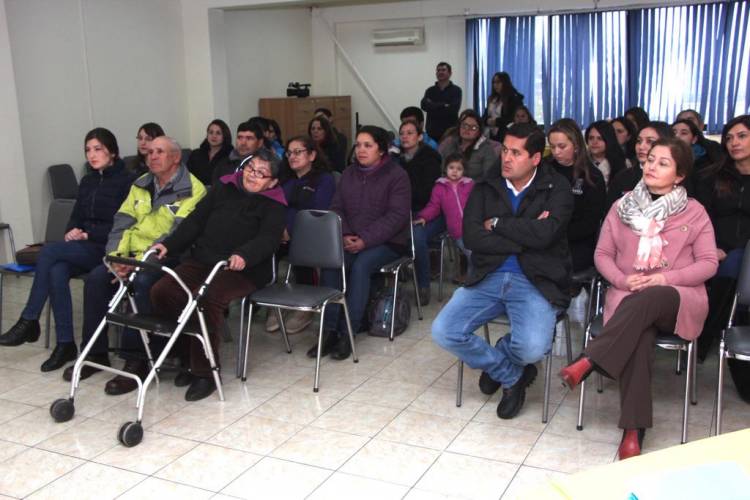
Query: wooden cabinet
294,113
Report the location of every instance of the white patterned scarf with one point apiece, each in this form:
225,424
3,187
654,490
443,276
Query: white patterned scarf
646,217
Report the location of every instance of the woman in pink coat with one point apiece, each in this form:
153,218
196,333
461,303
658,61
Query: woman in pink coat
449,196
657,249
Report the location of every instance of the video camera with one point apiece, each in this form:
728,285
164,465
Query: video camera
296,89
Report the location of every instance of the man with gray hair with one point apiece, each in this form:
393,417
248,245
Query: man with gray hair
158,201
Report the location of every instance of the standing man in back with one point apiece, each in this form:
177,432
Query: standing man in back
442,102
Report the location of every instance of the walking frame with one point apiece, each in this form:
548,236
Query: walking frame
131,433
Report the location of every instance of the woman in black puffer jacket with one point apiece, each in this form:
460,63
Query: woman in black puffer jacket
100,194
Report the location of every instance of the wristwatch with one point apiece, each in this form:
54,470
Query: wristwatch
494,222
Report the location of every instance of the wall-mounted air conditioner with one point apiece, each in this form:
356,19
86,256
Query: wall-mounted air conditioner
399,36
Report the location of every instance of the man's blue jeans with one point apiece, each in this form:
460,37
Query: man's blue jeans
532,324
422,237
57,263
359,269
97,293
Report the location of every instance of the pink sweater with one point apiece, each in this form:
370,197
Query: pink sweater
691,257
450,199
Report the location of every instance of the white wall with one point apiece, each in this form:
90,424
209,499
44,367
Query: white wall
85,63
14,201
265,50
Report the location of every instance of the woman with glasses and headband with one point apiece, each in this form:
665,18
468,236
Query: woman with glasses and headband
308,184
468,140
241,220
147,133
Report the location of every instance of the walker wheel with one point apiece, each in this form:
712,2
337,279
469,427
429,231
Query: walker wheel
130,434
62,410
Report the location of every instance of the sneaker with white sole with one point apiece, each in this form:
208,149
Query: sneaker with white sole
298,321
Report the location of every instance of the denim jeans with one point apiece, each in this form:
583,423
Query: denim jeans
359,269
422,237
467,253
57,263
97,293
532,324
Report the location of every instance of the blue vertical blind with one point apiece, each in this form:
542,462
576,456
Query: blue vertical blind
591,66
691,57
585,74
515,54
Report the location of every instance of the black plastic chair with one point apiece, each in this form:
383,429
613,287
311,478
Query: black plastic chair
58,216
317,243
63,181
735,340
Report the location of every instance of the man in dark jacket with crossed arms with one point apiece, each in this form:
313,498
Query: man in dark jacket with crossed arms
515,226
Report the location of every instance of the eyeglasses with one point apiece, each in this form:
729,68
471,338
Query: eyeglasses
146,138
295,152
256,173
466,126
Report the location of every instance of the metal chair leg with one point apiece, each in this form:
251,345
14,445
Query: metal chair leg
568,341
720,387
582,396
241,340
460,384
280,317
393,306
246,348
694,382
686,405
678,368
48,326
442,265
599,383
416,290
547,378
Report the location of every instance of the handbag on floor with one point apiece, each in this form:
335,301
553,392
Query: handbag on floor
380,312
28,255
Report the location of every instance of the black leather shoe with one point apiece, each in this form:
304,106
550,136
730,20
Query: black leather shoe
123,385
488,385
200,388
514,396
342,349
25,330
87,371
183,379
62,353
329,342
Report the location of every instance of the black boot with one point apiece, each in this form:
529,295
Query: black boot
329,343
64,352
25,330
720,297
342,349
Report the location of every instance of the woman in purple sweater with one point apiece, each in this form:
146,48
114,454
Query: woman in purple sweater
373,200
308,185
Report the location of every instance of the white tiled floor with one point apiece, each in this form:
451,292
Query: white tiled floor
384,428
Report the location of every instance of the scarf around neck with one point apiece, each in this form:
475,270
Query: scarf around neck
646,217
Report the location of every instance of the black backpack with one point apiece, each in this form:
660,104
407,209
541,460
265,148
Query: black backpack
380,312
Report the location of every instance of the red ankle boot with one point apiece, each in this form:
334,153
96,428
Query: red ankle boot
573,374
630,445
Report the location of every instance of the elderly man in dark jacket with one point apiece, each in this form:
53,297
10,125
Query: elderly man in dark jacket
515,227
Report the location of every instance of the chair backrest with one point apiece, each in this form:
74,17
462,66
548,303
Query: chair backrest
317,240
57,219
743,282
63,180
185,155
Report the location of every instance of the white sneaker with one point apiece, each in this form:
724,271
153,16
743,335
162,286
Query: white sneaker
272,321
298,321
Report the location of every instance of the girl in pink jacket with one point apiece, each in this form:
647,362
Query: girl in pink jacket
449,196
657,249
